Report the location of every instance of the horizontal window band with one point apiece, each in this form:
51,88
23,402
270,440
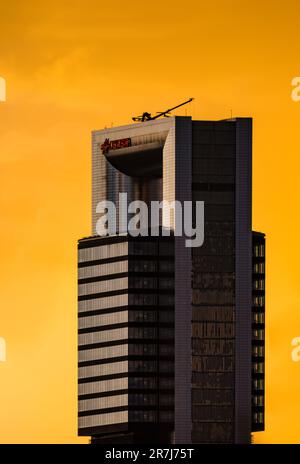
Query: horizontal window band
129,358
105,394
213,187
101,378
211,355
133,274
97,312
93,296
102,328
129,408
96,362
129,391
135,308
218,321
140,341
107,344
89,280
131,257
207,371
95,262
130,375
127,291
213,305
96,241
133,341
94,412
129,324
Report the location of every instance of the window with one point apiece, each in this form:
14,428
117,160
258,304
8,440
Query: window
258,318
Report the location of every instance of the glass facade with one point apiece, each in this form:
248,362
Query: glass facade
213,284
126,347
258,332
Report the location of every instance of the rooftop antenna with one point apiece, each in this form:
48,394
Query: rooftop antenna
148,117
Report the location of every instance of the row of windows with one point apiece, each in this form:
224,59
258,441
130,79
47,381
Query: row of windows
105,402
151,366
103,252
258,284
103,369
103,419
258,350
151,266
258,400
151,382
103,336
151,349
214,314
101,320
213,396
214,166
258,384
142,382
213,380
151,248
123,300
220,134
103,286
212,364
258,334
151,316
258,368
213,413
259,301
149,138
213,280
103,269
259,268
89,388
212,432
258,417
212,330
151,300
151,416
259,251
103,303
216,245
258,318
208,194
213,263
212,347
142,399
103,353
125,266
213,297
123,333
151,282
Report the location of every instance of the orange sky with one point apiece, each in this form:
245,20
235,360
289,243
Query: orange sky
73,66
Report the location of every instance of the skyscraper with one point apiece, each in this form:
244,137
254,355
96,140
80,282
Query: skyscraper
168,334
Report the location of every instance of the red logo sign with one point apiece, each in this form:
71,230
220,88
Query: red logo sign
115,144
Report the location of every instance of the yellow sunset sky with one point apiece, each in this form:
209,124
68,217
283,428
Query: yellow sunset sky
73,66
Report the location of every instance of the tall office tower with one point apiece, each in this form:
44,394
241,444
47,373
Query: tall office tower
168,337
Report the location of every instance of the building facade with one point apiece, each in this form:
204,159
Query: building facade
167,337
